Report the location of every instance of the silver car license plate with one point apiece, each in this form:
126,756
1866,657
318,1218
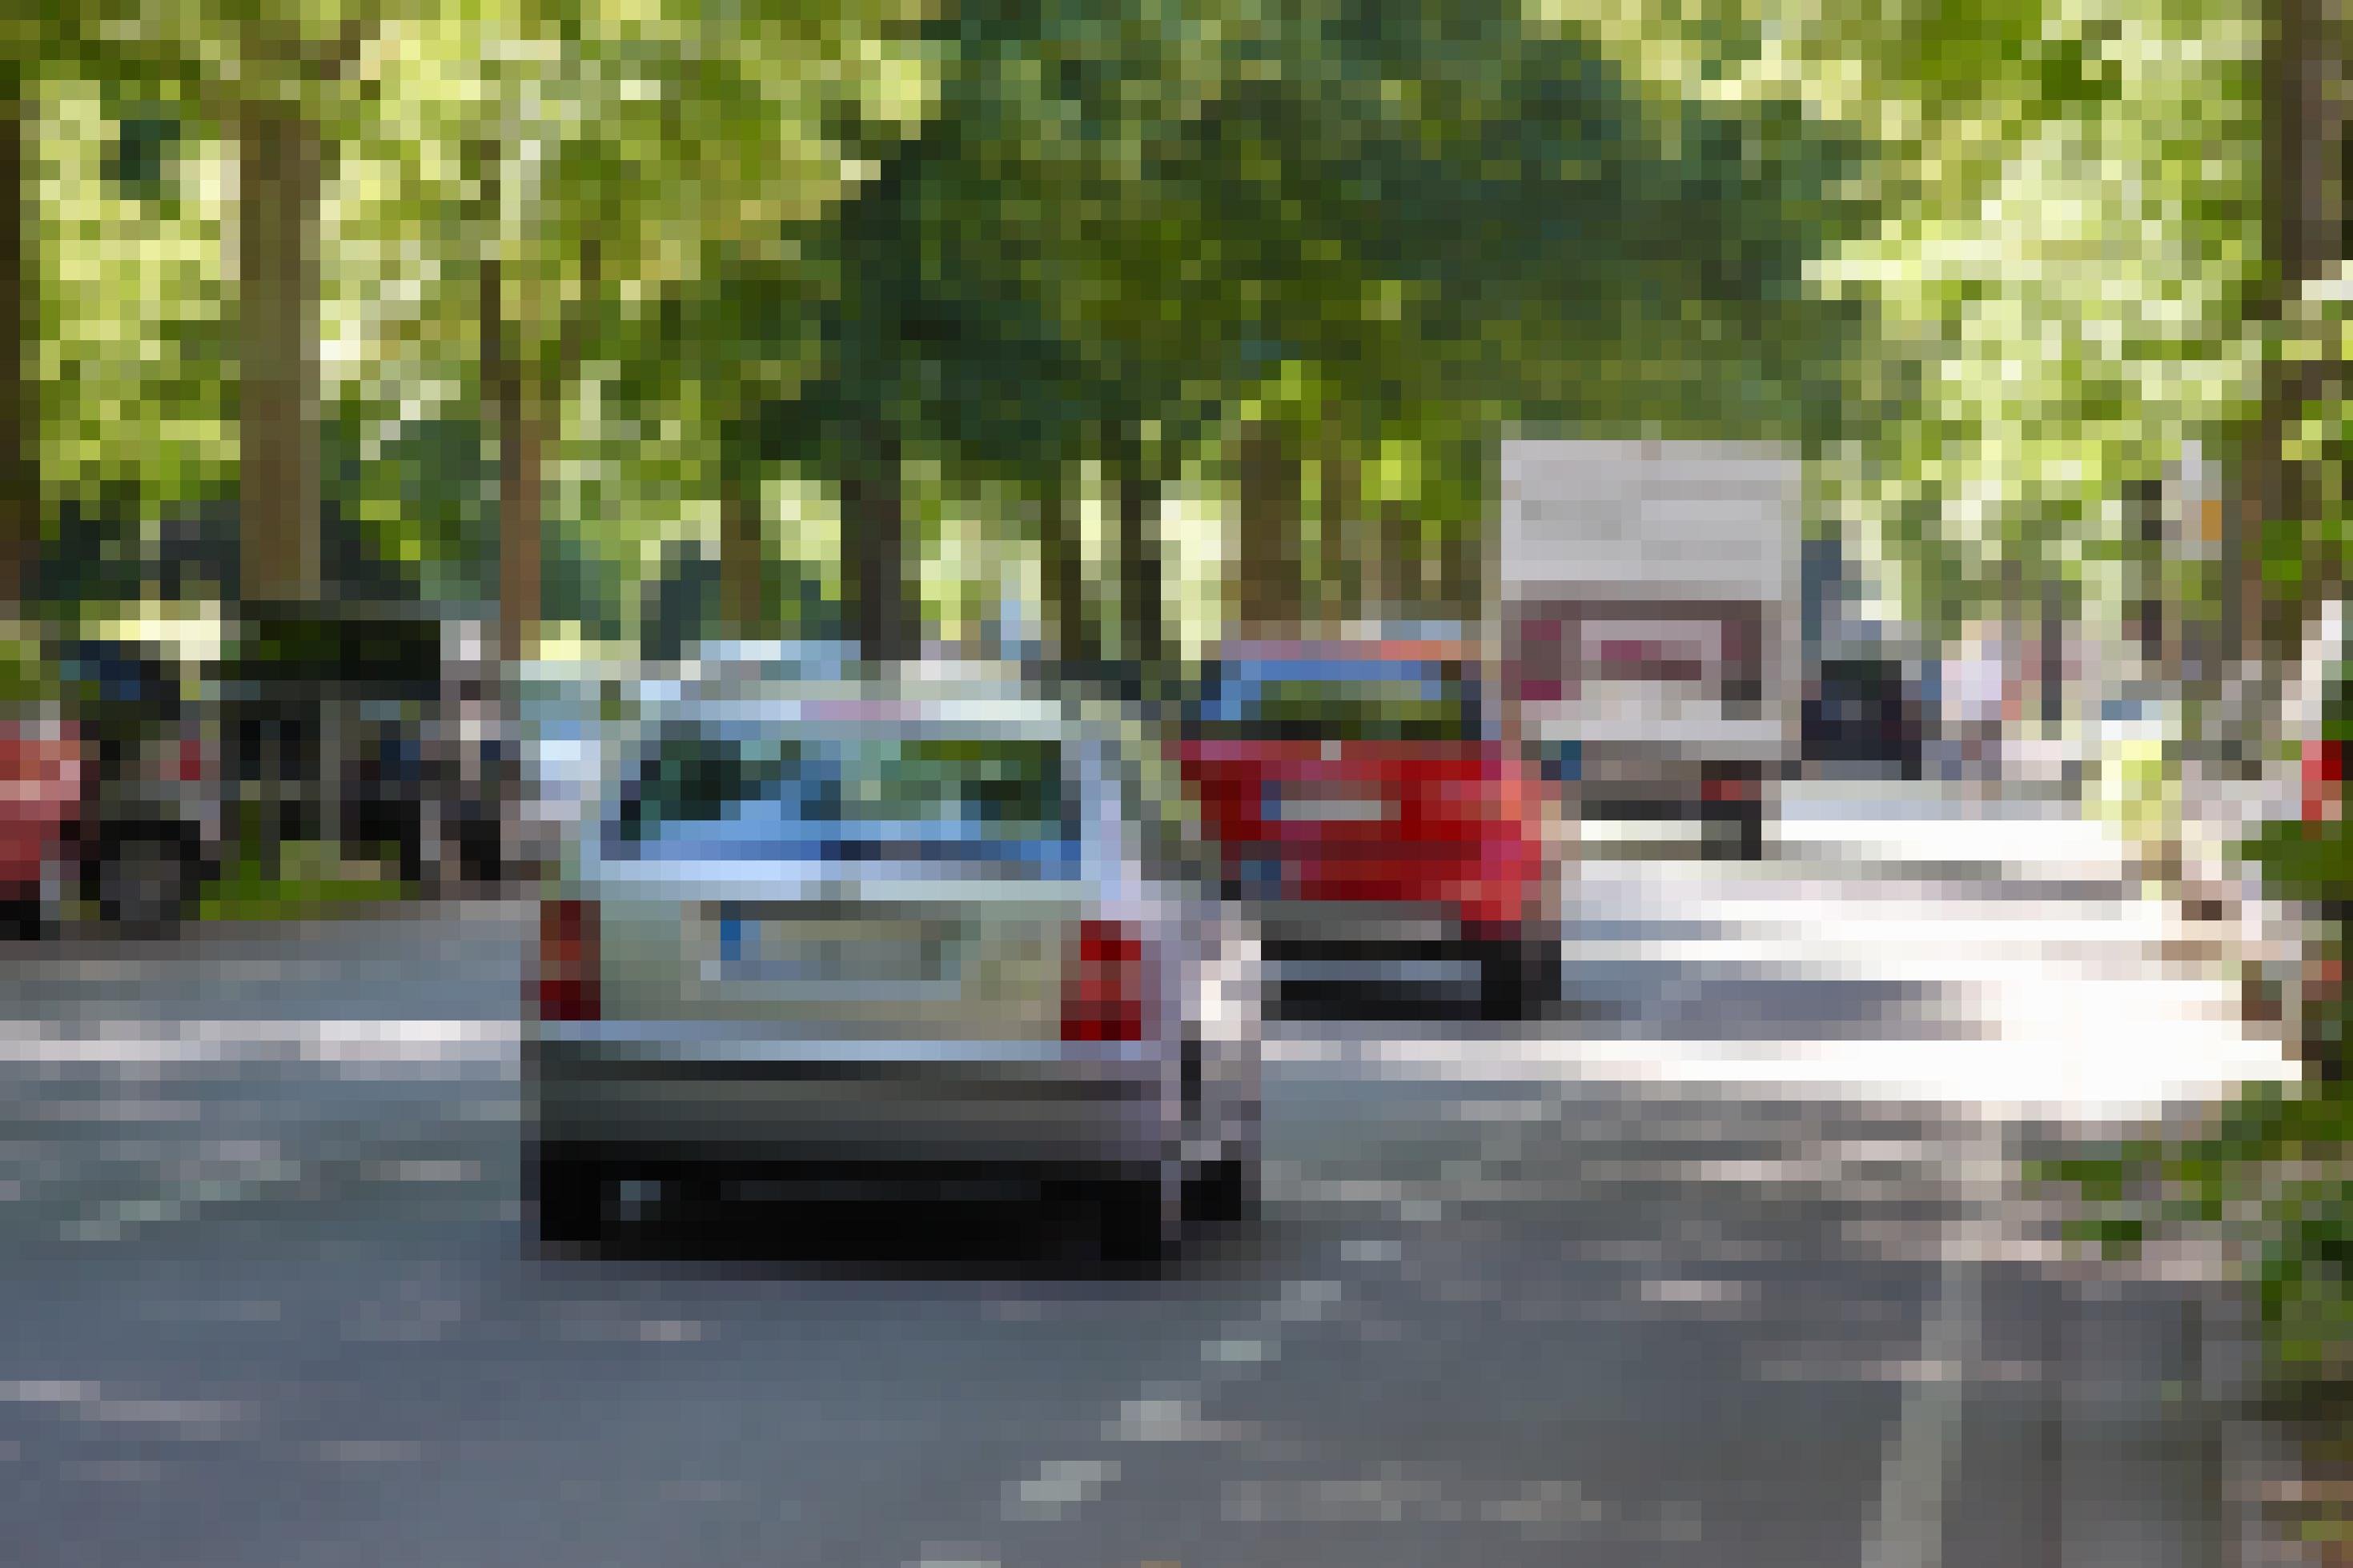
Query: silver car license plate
792,953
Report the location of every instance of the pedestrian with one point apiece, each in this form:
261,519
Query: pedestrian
1977,689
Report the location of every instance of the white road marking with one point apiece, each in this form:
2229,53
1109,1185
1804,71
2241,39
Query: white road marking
90,1402
1060,1487
1907,1526
216,1041
366,1452
1172,1420
1170,1411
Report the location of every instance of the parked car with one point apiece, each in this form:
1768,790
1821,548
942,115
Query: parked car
40,787
40,813
916,928
1861,713
150,828
373,726
1372,821
560,708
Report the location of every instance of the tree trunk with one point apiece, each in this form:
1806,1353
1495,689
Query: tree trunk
742,564
2303,153
1461,569
1143,634
873,521
1267,566
278,305
521,436
20,478
1399,593
520,433
1069,629
509,414
1341,583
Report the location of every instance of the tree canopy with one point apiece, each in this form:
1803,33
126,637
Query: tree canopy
1988,267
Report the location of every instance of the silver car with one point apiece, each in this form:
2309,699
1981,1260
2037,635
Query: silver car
914,932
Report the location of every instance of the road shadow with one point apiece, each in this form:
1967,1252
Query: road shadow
958,1240
1625,999
1751,1003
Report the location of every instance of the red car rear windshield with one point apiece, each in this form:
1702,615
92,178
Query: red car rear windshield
1336,700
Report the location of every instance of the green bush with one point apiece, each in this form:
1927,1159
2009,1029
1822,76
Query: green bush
2271,1176
2135,789
26,678
2312,864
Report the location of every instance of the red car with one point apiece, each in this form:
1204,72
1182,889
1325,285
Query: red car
110,794
1371,818
40,817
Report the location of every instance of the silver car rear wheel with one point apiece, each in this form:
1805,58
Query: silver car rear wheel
1140,1219
1225,1191
568,1197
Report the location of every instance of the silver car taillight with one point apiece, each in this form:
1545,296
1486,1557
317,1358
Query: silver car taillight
1103,983
564,986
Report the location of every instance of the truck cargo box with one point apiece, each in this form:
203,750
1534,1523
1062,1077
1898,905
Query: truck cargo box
1644,608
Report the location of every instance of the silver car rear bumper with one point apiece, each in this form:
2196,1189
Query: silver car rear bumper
728,1095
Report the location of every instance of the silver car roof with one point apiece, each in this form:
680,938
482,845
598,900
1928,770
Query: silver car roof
852,705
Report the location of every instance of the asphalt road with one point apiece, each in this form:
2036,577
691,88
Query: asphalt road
1726,1267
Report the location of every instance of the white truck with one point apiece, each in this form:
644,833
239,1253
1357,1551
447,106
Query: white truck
1645,626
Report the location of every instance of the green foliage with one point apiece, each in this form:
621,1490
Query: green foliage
144,146
1153,224
2271,1170
2303,861
132,359
423,494
2057,279
247,893
2309,546
1987,264
25,677
583,587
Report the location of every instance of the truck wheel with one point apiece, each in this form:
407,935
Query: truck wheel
1749,831
1737,834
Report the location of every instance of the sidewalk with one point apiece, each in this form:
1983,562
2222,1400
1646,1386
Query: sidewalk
2287,1484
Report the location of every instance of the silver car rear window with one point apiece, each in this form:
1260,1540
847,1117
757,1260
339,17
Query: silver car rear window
871,793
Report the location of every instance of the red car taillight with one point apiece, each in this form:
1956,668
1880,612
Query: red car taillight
1103,986
565,985
1728,787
